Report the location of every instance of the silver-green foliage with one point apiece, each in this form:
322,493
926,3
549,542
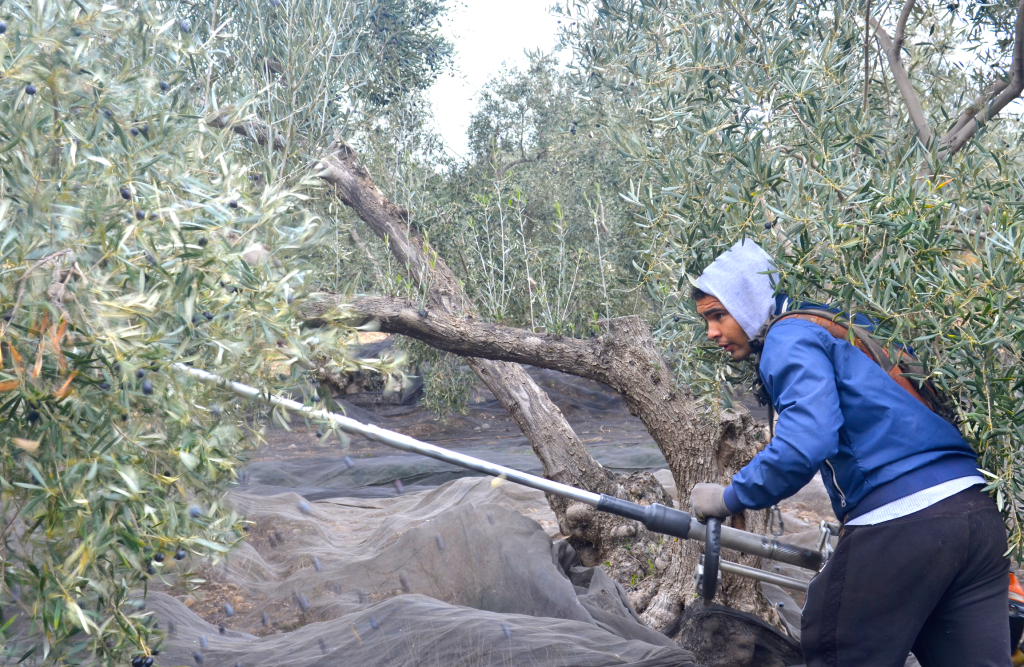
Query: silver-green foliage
748,118
131,236
534,225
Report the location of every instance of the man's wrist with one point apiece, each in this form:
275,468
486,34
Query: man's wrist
732,503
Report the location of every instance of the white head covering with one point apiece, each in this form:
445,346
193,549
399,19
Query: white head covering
739,278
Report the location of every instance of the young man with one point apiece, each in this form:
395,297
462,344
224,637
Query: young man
920,563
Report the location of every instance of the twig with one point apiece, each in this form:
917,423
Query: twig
867,53
742,17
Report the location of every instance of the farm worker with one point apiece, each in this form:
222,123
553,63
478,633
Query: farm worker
920,565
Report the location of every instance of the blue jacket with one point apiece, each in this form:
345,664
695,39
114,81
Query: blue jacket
841,414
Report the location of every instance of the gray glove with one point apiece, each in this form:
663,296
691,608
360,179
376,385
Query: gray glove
708,500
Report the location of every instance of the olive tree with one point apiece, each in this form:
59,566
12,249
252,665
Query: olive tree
134,236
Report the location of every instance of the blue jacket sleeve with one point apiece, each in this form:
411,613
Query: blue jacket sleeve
798,373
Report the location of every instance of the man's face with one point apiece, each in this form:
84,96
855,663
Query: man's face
723,328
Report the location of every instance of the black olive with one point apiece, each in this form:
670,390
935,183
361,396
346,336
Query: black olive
148,662
33,416
179,554
202,241
30,89
147,387
151,570
139,215
185,25
164,85
77,32
134,131
126,193
319,434
137,661
3,27
207,314
233,203
141,373
158,557
104,386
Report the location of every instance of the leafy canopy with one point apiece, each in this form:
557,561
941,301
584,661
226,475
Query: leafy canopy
134,235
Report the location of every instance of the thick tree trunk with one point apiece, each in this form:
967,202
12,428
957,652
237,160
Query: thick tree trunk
623,546
700,444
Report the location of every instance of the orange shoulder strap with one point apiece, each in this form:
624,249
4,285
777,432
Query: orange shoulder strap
862,341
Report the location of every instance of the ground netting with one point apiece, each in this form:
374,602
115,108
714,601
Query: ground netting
371,557
453,576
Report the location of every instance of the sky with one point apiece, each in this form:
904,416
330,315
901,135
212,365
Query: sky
486,34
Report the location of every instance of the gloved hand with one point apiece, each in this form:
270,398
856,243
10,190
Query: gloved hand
708,500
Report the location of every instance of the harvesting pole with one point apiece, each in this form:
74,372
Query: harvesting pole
657,518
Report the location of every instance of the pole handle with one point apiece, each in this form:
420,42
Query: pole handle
712,558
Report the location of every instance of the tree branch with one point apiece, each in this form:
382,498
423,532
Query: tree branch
970,112
504,169
563,456
252,130
901,24
892,47
475,338
985,107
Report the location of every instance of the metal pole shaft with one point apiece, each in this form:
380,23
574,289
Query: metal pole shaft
761,575
656,517
397,440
